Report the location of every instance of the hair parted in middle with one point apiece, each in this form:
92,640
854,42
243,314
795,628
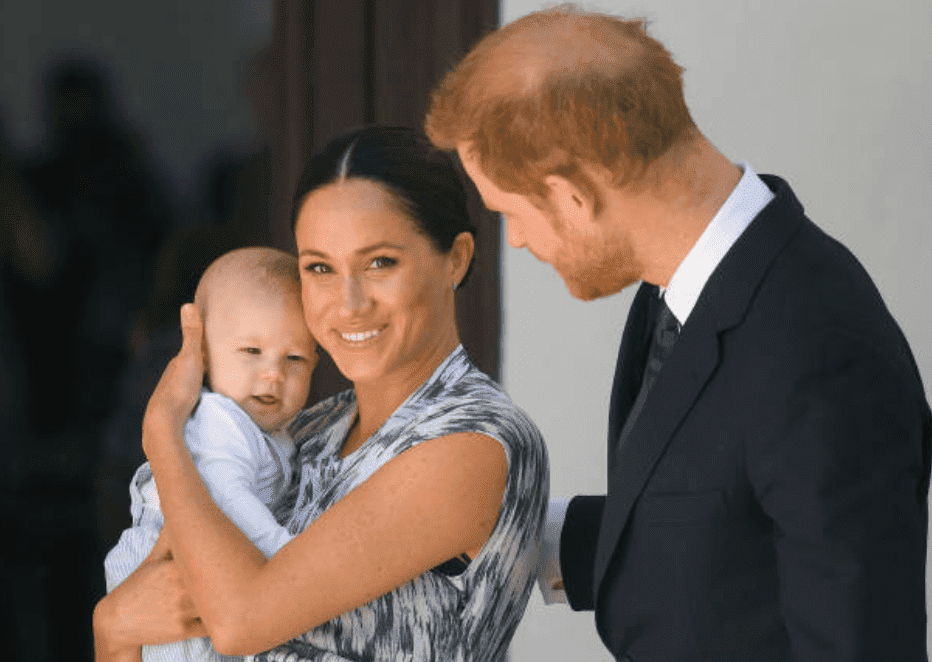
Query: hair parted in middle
560,88
421,178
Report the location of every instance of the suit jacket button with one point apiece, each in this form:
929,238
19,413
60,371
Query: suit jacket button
626,658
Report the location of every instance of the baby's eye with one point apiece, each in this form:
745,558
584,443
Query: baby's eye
383,262
252,350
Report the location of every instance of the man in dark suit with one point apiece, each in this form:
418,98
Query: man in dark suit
769,438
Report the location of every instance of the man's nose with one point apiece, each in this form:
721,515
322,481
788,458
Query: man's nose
514,233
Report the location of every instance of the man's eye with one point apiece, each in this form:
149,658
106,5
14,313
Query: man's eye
383,262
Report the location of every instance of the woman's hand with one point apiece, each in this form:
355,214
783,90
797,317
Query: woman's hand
177,391
150,607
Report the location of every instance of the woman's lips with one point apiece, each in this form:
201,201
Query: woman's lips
360,336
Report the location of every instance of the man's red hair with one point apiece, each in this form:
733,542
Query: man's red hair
558,89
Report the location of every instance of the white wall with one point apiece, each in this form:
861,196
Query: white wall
833,95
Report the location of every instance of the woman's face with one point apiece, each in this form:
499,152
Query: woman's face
378,296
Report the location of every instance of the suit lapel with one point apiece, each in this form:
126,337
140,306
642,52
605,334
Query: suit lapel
686,371
723,303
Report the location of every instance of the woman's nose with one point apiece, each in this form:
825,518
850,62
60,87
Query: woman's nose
355,298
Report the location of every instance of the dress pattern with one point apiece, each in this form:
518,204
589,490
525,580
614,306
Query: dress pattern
470,617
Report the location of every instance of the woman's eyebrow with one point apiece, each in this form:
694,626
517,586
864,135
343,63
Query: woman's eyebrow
312,253
382,245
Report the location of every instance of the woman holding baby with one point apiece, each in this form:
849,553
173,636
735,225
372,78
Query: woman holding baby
419,494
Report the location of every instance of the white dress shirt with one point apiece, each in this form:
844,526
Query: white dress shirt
746,201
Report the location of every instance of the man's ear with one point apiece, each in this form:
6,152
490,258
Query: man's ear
573,203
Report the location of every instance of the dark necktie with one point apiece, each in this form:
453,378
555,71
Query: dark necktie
666,332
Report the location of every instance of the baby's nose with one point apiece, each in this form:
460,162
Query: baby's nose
272,368
272,375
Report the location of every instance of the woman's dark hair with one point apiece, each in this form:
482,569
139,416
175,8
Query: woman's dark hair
424,180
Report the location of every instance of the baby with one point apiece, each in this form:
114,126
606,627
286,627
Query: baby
259,358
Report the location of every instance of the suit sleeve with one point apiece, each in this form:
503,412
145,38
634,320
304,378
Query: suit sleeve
840,465
228,452
578,541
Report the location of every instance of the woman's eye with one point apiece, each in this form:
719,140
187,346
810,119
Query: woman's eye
317,268
296,357
383,262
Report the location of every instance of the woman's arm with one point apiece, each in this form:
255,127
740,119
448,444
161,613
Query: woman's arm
437,500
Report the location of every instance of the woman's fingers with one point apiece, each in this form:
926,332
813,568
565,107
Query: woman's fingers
195,628
189,364
150,607
177,391
162,549
192,330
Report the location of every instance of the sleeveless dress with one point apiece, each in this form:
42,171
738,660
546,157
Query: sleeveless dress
469,617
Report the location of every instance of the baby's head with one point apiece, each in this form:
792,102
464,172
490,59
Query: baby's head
257,348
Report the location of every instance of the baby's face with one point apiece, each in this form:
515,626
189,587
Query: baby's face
261,355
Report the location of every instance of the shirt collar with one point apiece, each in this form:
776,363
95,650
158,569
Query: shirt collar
746,201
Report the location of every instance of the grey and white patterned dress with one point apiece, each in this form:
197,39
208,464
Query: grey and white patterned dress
469,617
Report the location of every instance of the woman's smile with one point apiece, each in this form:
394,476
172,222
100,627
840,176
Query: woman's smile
358,337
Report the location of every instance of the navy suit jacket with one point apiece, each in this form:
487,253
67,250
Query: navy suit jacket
770,502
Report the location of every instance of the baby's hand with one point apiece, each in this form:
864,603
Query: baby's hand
177,391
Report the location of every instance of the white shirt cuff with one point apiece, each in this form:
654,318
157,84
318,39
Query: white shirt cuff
548,565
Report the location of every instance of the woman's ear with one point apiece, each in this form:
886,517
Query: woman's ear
460,257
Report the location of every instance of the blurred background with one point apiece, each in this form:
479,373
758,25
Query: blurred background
138,141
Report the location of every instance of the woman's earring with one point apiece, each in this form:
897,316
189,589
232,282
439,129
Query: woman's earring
456,286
